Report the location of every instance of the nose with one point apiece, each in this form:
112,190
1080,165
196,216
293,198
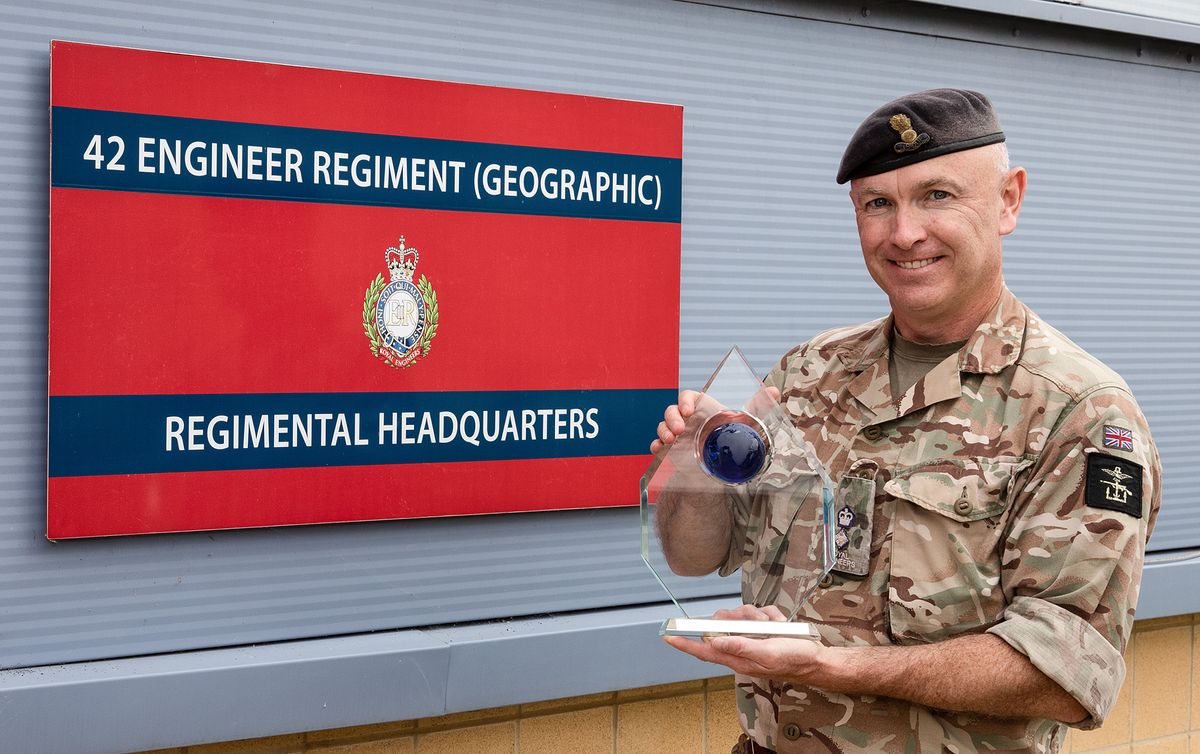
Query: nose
908,227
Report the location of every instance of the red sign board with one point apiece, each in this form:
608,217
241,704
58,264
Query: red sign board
284,295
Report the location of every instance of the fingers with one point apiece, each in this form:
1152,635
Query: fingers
676,416
675,419
665,434
734,652
714,649
733,646
668,429
751,612
687,402
745,612
774,612
764,400
698,649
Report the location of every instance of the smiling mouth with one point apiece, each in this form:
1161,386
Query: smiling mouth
916,264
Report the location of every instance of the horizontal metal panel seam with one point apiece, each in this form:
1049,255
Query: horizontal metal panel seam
1081,15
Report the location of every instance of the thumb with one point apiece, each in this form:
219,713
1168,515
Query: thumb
731,645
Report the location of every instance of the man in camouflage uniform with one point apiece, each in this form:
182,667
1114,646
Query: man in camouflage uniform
993,503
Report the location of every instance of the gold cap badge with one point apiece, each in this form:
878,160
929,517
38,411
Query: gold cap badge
903,126
909,140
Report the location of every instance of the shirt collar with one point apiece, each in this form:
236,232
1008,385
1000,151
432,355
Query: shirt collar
994,346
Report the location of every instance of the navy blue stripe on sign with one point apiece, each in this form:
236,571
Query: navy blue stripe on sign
102,149
146,434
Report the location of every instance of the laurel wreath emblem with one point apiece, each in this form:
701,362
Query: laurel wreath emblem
369,304
431,315
371,300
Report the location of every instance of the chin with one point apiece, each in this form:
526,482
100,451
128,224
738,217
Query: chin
917,300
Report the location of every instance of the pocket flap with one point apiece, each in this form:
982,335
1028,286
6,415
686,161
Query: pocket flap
964,489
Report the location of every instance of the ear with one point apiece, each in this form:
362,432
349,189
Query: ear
1012,193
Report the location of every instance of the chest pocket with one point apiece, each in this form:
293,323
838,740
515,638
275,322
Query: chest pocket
947,534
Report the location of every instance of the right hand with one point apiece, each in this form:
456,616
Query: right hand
674,418
677,415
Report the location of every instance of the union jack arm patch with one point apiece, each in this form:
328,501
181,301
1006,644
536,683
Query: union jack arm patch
1118,437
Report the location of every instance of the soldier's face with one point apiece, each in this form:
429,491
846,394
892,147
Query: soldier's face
930,235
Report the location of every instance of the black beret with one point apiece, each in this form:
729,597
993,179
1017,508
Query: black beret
919,126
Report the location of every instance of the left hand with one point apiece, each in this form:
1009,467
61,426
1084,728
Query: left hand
785,659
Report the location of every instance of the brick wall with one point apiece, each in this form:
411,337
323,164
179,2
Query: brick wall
1158,712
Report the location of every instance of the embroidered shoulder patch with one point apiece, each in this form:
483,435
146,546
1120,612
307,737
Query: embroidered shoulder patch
1114,484
1118,437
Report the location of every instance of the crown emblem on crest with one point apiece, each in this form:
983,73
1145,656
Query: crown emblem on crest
909,140
402,262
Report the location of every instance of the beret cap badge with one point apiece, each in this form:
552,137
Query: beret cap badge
909,140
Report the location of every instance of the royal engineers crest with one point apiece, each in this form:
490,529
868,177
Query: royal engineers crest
399,318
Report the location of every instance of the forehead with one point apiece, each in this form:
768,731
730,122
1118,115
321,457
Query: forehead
966,168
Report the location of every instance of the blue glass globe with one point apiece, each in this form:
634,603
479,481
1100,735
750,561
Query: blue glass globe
733,453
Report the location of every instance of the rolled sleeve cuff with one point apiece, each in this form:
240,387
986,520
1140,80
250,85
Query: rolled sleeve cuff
1069,651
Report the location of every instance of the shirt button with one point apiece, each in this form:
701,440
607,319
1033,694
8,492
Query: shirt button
791,731
872,433
962,507
826,581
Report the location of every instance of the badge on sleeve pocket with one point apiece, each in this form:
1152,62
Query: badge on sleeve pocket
1114,484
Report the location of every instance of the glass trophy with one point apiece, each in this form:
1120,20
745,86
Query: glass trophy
742,467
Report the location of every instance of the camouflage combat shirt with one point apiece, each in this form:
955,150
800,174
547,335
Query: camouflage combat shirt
1000,493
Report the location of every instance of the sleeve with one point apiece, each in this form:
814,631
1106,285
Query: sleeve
741,535
747,523
1072,556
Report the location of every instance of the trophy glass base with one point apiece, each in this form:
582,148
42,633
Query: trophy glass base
701,627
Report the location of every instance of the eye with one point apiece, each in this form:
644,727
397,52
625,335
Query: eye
877,203
939,195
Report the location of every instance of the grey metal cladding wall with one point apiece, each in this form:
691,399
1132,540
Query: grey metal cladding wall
1173,10
1105,251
